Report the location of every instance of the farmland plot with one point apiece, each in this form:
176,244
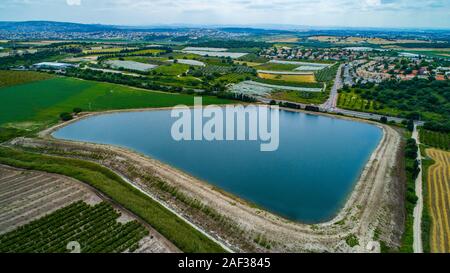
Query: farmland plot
262,89
303,66
439,200
189,62
298,77
213,52
131,65
42,212
240,69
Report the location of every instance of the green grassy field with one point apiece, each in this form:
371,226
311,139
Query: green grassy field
184,236
10,78
40,103
301,97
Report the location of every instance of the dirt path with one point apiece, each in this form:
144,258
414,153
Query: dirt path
417,228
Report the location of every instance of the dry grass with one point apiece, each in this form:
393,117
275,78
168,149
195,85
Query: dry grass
439,200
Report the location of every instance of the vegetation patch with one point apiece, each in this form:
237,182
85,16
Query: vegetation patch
438,182
94,227
352,240
43,101
439,140
412,171
308,78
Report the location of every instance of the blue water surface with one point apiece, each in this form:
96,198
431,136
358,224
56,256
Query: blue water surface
307,179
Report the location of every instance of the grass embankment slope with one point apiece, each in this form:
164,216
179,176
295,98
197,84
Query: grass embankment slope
185,237
32,106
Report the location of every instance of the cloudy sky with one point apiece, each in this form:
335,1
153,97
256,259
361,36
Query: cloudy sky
354,13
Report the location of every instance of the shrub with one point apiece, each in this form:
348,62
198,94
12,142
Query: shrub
66,116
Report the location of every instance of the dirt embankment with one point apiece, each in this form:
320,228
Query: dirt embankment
372,211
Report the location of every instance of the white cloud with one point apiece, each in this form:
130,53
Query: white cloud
73,2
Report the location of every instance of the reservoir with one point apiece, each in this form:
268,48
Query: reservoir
307,179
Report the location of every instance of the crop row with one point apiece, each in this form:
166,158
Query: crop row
94,227
211,69
435,139
327,74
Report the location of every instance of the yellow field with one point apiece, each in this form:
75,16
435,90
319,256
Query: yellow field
40,43
288,77
439,200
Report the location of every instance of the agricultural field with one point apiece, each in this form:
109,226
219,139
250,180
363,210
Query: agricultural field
300,97
35,105
295,78
249,64
327,74
149,51
400,98
303,66
172,69
209,49
438,187
190,62
43,212
94,227
264,89
435,139
101,50
250,88
277,67
10,78
362,40
213,52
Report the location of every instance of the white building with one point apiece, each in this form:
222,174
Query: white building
52,65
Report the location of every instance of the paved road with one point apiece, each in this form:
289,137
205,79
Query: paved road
332,100
417,228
